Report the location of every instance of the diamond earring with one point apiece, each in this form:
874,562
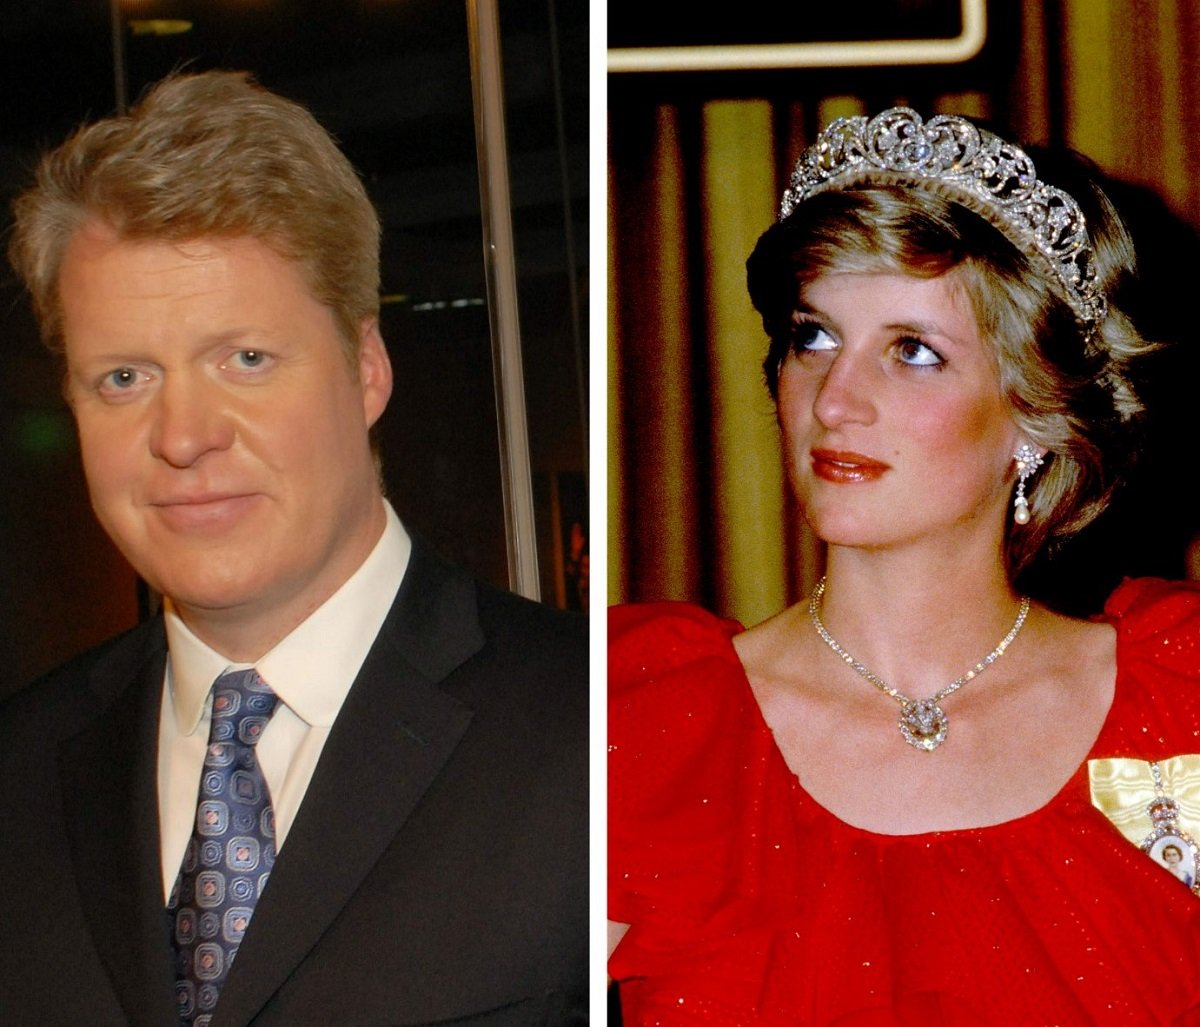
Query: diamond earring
1028,460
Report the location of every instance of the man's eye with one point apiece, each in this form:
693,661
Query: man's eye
917,354
121,378
122,383
246,361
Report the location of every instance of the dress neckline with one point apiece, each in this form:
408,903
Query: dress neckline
1065,795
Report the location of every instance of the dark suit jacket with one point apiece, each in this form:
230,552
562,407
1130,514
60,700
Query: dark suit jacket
436,871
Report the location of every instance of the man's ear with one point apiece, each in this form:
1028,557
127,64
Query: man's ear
374,370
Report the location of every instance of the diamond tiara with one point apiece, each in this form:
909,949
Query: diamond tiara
995,179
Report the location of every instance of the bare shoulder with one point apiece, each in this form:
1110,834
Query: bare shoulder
616,931
767,650
1075,648
1063,675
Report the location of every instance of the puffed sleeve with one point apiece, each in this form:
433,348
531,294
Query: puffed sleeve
676,696
1158,623
1156,709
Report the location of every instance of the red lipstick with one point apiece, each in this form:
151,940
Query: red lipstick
844,467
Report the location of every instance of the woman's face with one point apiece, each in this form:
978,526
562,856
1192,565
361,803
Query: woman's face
893,424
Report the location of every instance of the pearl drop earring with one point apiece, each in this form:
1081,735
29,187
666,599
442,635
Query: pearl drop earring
1028,460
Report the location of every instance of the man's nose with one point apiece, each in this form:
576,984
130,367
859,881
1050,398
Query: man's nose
190,420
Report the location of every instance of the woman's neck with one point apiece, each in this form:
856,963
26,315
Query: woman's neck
912,617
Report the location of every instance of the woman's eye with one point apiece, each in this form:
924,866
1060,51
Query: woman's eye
917,354
810,337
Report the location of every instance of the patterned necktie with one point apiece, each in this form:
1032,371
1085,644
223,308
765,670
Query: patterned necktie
231,851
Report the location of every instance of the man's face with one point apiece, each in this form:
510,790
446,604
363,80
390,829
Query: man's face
223,431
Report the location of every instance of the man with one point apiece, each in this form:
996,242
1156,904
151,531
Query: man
320,685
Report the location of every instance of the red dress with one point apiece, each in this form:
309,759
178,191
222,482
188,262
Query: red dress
751,904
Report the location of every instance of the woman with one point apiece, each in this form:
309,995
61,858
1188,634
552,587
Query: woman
919,796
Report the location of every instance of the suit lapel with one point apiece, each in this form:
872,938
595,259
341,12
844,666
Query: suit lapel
393,735
110,804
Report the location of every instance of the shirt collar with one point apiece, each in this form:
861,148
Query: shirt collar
312,669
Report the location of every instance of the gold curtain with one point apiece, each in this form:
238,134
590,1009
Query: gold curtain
697,506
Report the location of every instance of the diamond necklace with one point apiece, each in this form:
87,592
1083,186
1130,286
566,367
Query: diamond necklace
923,723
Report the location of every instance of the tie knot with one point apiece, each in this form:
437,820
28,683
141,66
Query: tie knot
242,706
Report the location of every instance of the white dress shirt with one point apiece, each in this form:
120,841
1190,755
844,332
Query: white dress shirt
311,670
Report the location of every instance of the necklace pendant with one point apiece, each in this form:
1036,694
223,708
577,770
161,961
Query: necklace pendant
923,724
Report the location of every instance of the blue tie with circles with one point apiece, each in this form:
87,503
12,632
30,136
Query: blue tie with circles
231,851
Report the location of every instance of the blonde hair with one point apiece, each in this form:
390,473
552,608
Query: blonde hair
1067,387
211,154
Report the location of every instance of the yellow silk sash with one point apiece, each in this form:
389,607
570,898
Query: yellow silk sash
1123,790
